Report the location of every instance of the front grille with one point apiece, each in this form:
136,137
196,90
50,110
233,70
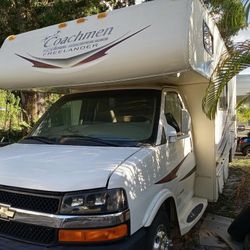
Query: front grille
28,233
33,202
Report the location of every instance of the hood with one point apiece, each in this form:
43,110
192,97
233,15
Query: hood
58,167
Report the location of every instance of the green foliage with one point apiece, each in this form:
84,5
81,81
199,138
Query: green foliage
243,114
50,99
230,16
120,3
231,63
243,100
10,113
17,16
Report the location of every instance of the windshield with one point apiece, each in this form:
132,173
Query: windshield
118,118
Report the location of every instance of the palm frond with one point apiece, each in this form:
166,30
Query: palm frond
232,62
247,9
243,100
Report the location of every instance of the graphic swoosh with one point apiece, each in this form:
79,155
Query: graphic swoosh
87,56
173,174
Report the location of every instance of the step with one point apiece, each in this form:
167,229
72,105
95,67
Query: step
191,214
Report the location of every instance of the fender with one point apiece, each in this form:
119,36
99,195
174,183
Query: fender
155,205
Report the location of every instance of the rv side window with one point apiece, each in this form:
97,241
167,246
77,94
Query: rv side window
208,39
173,111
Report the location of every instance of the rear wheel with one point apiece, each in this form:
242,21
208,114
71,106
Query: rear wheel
158,235
246,151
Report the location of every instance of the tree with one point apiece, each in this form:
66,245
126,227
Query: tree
232,62
17,16
229,15
116,4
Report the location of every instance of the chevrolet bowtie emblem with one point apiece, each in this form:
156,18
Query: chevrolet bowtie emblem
6,212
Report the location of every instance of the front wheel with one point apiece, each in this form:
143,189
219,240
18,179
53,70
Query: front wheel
158,234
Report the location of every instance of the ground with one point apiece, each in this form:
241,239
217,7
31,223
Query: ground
235,196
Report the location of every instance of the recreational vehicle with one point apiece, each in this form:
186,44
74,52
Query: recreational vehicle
127,153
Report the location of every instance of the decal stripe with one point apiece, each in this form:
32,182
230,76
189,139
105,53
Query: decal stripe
189,174
38,64
102,53
173,174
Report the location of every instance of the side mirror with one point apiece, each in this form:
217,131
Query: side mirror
186,122
171,134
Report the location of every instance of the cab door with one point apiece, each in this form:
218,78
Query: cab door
179,152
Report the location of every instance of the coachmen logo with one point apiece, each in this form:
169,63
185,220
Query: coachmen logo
68,45
6,212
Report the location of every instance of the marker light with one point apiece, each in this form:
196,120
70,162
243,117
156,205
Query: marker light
11,38
102,15
81,20
62,25
93,235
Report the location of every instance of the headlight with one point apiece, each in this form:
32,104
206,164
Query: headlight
94,202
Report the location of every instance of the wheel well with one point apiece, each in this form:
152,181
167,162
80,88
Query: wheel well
169,207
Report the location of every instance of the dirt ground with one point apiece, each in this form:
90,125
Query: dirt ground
236,193
235,196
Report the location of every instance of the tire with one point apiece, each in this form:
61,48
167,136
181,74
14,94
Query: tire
246,151
158,234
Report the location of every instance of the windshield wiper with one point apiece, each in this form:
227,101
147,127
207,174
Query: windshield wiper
89,138
42,139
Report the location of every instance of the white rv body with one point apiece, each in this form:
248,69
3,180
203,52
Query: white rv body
162,45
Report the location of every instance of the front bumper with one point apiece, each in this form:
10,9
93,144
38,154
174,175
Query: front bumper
42,229
68,221
134,242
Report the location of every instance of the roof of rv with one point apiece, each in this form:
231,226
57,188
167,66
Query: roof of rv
145,41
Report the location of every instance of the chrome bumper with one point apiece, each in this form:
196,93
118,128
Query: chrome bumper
69,221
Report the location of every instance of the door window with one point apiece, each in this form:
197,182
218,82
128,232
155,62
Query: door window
173,111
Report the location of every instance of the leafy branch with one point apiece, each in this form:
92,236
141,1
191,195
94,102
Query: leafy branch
233,61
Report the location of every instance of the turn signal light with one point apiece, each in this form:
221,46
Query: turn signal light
93,235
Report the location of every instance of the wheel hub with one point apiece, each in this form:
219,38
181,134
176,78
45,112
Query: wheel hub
161,240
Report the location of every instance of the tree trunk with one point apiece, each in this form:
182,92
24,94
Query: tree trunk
33,106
